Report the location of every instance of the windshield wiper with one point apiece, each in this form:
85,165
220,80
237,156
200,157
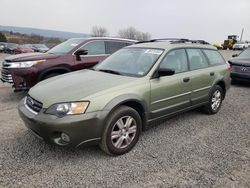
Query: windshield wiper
110,71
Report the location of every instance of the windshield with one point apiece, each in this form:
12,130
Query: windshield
130,61
40,45
12,45
66,46
245,53
25,46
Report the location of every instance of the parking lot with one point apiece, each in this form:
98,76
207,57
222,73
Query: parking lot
190,150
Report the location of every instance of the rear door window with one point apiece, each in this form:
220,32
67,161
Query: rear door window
214,57
113,46
196,59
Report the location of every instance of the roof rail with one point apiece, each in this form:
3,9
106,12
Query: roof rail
163,39
175,40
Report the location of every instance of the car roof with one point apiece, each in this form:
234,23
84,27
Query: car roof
166,45
107,38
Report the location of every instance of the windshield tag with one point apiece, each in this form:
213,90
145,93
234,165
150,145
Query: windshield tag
140,73
155,52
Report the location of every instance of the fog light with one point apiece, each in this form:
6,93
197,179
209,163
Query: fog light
65,137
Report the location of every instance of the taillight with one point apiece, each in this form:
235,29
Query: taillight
229,66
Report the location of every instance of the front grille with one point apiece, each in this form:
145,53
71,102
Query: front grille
6,76
33,104
240,69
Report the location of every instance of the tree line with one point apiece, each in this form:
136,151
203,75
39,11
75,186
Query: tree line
19,38
128,33
2,37
97,31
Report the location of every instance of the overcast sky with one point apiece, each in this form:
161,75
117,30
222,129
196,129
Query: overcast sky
211,20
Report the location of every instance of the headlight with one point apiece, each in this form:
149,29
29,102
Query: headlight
25,64
71,108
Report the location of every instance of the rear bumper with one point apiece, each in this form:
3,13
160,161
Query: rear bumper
240,76
85,129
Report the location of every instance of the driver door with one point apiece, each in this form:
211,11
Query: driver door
170,94
96,53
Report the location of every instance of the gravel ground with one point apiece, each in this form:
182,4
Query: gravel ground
190,150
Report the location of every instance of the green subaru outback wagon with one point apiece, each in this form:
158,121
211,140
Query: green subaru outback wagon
113,102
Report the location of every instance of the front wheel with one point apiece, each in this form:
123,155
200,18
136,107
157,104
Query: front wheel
122,131
50,76
215,100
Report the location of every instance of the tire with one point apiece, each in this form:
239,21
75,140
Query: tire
50,75
215,100
124,137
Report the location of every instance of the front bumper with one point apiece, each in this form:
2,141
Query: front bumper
21,78
85,129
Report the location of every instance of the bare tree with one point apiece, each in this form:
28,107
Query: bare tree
128,33
98,31
132,33
144,36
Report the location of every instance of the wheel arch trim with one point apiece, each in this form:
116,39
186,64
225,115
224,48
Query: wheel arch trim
123,99
43,73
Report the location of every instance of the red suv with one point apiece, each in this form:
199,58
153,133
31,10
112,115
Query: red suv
25,70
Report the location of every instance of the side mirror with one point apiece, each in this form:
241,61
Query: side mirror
235,55
81,52
165,72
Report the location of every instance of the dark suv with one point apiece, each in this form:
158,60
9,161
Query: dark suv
24,71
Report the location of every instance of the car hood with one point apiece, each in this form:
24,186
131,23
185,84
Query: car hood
30,57
240,61
76,86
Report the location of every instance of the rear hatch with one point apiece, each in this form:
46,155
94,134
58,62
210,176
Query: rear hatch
240,65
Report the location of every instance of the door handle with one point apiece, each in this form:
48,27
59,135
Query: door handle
211,73
186,79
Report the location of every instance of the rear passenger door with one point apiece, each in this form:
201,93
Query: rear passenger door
201,76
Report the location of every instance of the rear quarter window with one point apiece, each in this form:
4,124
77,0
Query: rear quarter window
214,57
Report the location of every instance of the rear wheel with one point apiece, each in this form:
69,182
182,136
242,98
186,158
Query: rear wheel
215,100
122,131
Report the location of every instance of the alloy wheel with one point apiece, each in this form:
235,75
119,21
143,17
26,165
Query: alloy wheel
123,132
216,100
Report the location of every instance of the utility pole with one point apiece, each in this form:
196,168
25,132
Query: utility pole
242,32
